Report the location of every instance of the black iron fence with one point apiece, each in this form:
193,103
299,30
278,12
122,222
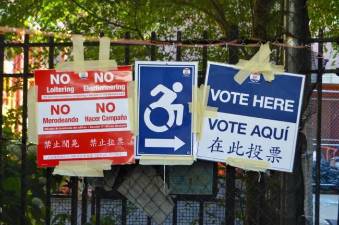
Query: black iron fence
237,197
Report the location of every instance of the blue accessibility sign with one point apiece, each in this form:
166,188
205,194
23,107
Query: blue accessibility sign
164,90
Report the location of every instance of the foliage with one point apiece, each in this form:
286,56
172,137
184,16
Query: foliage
10,199
141,17
11,173
324,14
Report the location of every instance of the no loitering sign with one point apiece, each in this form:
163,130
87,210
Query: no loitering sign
83,116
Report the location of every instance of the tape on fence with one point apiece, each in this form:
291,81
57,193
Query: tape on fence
83,168
80,65
32,111
248,164
132,108
199,108
167,161
104,48
258,64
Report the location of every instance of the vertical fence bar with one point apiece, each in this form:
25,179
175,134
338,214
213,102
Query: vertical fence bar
23,190
201,212
319,110
230,171
2,59
153,57
177,58
74,203
178,52
84,202
124,211
49,170
153,48
93,203
201,76
175,212
127,51
97,206
124,201
201,79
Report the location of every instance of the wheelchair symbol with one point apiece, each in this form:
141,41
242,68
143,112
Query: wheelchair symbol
175,111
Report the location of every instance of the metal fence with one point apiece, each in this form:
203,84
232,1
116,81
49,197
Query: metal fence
237,197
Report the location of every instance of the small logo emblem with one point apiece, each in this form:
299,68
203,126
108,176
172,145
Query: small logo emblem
255,77
83,75
186,72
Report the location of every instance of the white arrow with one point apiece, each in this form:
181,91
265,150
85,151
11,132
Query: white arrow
175,143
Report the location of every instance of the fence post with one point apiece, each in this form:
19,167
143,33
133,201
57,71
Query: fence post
201,79
74,203
178,52
319,107
201,76
84,202
2,59
93,201
153,48
97,206
153,57
229,170
49,170
178,58
127,51
23,190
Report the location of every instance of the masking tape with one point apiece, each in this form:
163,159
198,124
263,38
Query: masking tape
100,65
131,107
211,112
78,172
248,164
167,161
87,168
32,110
136,114
78,47
193,108
79,65
199,109
104,48
259,63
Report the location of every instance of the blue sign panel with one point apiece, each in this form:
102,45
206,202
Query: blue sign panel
164,90
256,120
277,100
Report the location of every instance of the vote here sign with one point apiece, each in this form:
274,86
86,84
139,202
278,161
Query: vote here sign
83,116
256,120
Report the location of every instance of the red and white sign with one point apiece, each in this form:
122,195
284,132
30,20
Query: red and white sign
84,116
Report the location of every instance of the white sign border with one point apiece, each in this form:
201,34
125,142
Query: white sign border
298,115
137,92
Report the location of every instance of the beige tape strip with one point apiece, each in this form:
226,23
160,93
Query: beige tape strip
104,48
259,63
166,160
193,108
32,128
131,108
247,164
199,108
79,65
78,47
100,65
83,168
